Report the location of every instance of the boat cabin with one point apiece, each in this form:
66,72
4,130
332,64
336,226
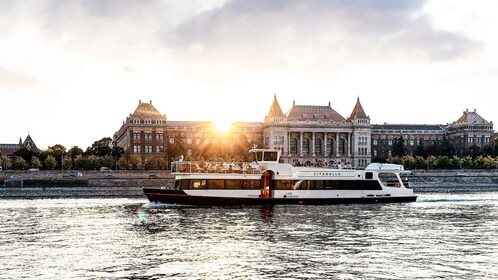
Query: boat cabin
265,155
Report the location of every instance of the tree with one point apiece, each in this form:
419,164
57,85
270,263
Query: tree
399,148
36,162
431,162
20,163
420,148
58,152
74,152
24,153
122,163
136,161
162,163
443,162
101,148
151,163
6,162
67,162
50,162
81,162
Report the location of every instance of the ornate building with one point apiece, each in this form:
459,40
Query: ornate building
318,135
143,132
305,135
384,137
10,149
470,132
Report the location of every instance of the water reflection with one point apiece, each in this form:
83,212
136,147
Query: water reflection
441,236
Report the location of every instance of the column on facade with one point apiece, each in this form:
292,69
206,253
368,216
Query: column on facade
349,144
325,144
337,144
301,143
288,143
313,144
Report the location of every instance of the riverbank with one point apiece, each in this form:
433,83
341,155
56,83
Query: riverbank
58,184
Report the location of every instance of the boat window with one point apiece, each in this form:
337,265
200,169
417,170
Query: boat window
336,185
259,156
303,185
270,156
389,179
215,184
197,184
368,175
283,184
252,184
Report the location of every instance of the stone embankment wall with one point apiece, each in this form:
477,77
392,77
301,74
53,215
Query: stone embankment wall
53,184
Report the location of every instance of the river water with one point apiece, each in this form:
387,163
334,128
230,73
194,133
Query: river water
441,236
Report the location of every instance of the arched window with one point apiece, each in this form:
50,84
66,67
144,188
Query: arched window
293,146
330,147
318,146
306,146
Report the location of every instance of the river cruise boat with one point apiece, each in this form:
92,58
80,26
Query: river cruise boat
265,181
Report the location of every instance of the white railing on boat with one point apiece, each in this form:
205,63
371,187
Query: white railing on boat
215,167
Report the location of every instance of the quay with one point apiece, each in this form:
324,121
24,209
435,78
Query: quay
129,183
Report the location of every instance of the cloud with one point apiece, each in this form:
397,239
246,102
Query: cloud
322,35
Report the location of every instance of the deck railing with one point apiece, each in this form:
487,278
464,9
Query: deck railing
215,167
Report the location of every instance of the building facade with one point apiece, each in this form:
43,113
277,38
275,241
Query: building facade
305,135
143,132
318,135
384,138
10,149
469,134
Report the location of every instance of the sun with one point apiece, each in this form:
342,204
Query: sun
222,125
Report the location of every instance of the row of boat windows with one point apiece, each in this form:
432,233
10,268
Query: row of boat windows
279,184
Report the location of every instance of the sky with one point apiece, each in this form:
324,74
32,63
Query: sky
72,71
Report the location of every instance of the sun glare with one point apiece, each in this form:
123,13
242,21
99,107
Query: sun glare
222,125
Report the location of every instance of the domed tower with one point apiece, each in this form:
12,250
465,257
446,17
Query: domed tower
143,132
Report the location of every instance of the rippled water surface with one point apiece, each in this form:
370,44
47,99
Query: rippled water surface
439,236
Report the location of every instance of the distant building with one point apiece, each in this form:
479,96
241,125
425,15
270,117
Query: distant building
384,137
318,135
305,135
143,132
10,149
470,133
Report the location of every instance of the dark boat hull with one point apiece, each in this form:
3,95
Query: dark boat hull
180,197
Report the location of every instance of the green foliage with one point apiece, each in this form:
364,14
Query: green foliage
50,162
162,163
101,148
151,163
81,162
122,163
74,152
5,162
67,162
399,149
20,163
36,162
136,162
431,162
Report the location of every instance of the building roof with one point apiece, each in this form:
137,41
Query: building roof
471,118
358,112
313,112
10,149
146,110
275,110
414,127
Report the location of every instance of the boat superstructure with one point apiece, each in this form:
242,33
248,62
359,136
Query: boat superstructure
267,181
